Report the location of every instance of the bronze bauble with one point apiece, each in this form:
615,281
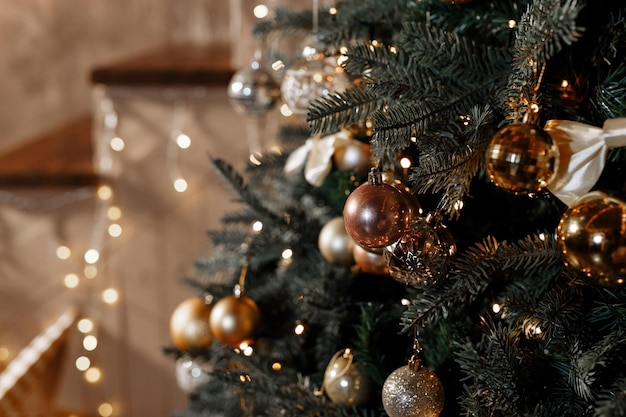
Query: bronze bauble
189,324
235,320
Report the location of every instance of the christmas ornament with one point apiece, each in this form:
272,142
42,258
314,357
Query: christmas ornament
370,262
189,324
592,234
311,77
522,158
414,204
335,244
421,253
252,91
192,372
413,390
583,150
376,214
235,320
345,383
353,156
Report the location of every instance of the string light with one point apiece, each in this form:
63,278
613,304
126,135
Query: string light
4,354
257,226
90,271
85,325
496,307
276,366
110,296
183,141
105,192
115,230
90,343
298,329
117,144
287,253
285,111
63,252
83,363
105,410
93,375
114,213
71,280
92,256
180,185
261,11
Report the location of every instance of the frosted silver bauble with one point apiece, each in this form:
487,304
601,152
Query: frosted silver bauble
346,383
191,373
252,91
335,244
413,393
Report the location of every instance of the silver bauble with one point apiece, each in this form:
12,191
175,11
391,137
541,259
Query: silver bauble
252,91
413,393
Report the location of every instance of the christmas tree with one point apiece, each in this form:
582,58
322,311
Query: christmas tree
443,234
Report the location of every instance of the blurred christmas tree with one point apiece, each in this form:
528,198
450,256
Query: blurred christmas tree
445,234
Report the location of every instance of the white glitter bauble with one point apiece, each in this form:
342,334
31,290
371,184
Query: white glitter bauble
191,373
309,78
410,393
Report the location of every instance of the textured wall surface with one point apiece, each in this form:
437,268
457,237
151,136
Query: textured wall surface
48,47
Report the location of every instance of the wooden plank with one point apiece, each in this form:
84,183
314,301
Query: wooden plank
61,157
182,65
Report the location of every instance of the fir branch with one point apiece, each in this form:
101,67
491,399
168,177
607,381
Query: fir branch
612,401
610,94
530,253
336,110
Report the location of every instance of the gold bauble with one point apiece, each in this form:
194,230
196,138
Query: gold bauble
335,244
235,320
353,156
189,324
370,262
413,393
345,382
522,158
592,234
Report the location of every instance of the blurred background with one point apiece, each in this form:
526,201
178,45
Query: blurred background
109,111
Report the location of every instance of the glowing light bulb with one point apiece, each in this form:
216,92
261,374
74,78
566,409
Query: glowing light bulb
85,325
105,410
298,329
180,185
90,343
117,144
110,296
71,281
115,230
4,354
183,141
257,226
90,272
93,375
512,23
405,163
248,351
92,256
63,252
276,366
285,111
261,11
114,213
105,192
496,307
83,363
287,253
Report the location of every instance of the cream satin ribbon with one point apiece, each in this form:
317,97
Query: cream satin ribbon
582,154
315,156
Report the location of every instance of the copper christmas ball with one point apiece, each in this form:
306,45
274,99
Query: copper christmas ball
335,244
413,393
235,320
345,382
376,214
370,262
354,157
189,324
592,234
522,158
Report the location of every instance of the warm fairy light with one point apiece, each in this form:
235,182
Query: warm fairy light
543,236
496,307
90,272
285,110
564,84
83,363
276,366
105,410
93,375
287,254
332,11
183,141
110,296
278,65
257,226
375,43
248,351
405,163
92,256
4,354
512,23
114,213
405,302
180,185
393,50
71,281
105,192
342,60
117,144
318,77
254,160
115,230
298,329
260,11
458,205
63,252
90,342
534,108
413,139
85,325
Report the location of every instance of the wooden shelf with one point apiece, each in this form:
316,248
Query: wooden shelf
174,65
61,157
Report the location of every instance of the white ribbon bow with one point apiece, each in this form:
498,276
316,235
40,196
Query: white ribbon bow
582,154
315,156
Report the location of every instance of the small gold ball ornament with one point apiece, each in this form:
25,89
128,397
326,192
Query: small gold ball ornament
335,244
235,320
411,392
189,324
345,382
522,158
592,234
353,156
